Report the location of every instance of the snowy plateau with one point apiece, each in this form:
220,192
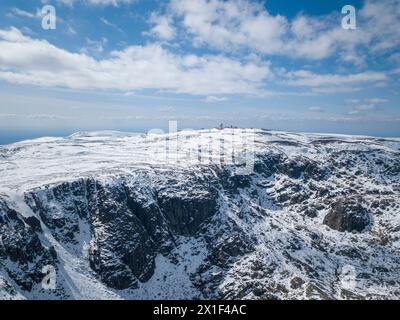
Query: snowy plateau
317,218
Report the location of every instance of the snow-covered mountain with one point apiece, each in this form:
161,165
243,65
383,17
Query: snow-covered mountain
118,217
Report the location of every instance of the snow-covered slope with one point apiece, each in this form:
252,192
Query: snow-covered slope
124,216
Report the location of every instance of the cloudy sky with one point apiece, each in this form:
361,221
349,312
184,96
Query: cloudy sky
132,65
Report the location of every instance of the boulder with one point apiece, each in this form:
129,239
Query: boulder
348,215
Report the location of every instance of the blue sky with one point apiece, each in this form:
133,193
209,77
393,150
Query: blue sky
133,65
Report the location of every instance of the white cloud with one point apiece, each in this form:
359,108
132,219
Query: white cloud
110,24
115,3
382,20
110,2
367,105
336,89
211,99
107,23
352,100
247,25
167,109
362,109
64,2
162,27
368,101
31,61
227,24
316,109
94,46
376,100
70,30
23,13
396,71
34,116
310,79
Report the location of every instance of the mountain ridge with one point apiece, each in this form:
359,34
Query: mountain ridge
317,217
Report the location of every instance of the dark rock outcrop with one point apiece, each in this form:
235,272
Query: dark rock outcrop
129,225
20,244
121,250
348,215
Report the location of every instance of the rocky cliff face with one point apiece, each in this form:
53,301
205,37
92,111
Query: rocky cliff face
318,217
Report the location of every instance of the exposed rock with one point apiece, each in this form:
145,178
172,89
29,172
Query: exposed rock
296,283
348,215
121,249
311,212
20,244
